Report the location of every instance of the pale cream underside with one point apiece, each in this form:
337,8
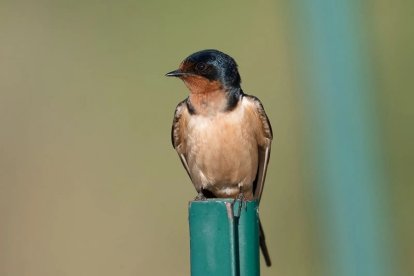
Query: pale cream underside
222,149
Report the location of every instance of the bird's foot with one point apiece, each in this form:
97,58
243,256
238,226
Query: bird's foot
200,196
242,202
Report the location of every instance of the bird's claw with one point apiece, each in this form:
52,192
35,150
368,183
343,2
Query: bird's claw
242,202
200,197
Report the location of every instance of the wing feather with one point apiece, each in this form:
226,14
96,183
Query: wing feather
265,134
177,133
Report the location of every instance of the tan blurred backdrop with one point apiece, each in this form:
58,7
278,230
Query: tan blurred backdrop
89,182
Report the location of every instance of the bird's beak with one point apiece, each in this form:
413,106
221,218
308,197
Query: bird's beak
176,73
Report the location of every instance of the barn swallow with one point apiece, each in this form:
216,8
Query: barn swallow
222,135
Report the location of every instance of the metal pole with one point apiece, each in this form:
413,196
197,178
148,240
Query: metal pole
224,241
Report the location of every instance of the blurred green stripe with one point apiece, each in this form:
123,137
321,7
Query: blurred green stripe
349,180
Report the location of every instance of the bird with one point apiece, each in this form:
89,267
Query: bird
222,135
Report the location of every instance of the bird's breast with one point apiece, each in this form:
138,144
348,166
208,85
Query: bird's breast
222,149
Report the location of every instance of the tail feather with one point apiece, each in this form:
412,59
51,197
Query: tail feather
263,247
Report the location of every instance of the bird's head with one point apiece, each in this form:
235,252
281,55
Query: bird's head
207,71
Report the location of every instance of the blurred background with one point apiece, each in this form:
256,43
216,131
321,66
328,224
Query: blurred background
89,181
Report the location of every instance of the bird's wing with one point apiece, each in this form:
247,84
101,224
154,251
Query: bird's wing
265,136
177,132
264,154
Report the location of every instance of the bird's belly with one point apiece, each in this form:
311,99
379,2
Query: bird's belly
223,155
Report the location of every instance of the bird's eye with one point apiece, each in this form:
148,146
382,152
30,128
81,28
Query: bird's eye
201,66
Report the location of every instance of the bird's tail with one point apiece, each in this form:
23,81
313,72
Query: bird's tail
263,247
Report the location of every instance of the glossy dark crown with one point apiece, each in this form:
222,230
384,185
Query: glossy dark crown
213,65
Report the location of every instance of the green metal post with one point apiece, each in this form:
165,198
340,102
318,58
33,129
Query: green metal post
224,239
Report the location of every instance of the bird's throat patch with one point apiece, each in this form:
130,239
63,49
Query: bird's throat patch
201,85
